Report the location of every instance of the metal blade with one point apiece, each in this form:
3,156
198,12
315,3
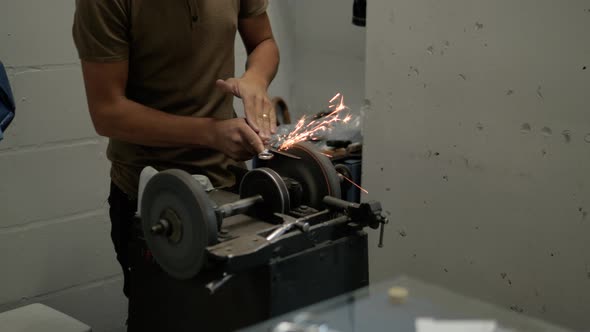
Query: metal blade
286,154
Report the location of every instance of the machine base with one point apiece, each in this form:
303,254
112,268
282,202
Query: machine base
162,303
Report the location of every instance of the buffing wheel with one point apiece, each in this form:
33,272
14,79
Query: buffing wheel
178,207
314,171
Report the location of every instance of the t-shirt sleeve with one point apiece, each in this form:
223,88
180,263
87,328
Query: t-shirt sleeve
101,30
250,8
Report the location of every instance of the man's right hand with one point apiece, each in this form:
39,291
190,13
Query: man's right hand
236,139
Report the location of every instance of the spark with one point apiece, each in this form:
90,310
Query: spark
304,132
356,185
338,95
327,155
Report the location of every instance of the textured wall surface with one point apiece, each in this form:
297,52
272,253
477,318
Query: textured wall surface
54,230
329,56
283,25
478,144
322,54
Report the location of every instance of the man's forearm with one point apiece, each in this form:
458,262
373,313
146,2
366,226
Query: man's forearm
135,123
263,62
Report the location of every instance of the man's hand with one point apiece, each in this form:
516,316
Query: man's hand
261,67
236,139
258,108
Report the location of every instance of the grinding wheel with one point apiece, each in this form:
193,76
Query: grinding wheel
314,171
178,221
268,184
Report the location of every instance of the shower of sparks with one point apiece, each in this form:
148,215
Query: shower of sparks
353,183
304,132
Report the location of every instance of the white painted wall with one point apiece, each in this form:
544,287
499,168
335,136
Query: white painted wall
283,25
329,56
54,230
478,144
322,54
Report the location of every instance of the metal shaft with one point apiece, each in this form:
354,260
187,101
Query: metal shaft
240,206
339,203
161,228
381,232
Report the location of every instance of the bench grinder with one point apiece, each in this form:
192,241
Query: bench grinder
211,259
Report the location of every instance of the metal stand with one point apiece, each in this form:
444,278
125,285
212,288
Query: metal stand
162,303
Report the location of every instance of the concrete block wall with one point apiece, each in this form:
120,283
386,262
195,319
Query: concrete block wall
54,229
478,145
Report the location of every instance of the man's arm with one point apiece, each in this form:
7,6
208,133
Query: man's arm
261,68
263,53
117,117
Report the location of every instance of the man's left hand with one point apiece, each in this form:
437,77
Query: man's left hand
258,108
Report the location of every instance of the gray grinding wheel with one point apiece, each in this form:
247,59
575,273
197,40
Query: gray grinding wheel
174,199
314,171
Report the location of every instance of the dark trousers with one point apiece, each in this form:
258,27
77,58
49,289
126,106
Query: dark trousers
122,209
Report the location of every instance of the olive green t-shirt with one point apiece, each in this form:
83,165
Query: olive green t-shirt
176,50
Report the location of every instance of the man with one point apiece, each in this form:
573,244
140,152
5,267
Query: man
159,83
